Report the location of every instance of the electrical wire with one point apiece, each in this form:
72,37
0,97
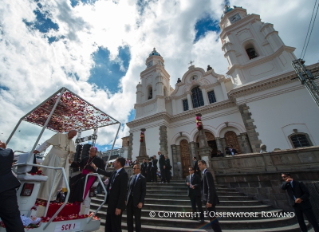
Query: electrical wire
313,23
307,39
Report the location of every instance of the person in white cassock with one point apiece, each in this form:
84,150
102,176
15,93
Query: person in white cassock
60,155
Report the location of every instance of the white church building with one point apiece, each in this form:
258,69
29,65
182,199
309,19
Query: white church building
257,104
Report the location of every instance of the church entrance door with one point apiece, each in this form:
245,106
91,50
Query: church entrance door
185,157
231,139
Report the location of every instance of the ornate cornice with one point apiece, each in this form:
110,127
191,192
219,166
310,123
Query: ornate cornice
185,115
268,83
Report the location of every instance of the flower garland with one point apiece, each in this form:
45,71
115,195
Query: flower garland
142,137
199,122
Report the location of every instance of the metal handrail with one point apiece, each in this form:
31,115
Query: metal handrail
67,186
101,182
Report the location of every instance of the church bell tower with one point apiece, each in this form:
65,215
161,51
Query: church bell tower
153,88
253,49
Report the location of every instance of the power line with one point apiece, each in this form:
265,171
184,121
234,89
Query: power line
308,38
313,23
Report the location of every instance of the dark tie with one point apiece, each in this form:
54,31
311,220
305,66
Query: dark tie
133,185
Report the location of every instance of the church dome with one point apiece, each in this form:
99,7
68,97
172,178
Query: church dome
154,53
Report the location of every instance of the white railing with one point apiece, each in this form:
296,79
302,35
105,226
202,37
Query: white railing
48,204
101,182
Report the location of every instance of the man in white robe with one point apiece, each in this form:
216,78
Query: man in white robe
63,147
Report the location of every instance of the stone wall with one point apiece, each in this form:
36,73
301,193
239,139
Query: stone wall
259,175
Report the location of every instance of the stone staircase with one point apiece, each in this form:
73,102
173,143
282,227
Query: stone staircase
172,198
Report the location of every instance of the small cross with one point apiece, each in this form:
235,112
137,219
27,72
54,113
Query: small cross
191,62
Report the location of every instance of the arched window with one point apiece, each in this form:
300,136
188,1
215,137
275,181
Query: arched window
150,93
300,140
197,97
251,51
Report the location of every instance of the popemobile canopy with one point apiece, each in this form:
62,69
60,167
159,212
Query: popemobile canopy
71,113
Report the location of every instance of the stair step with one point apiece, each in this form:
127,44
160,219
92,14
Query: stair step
188,208
187,201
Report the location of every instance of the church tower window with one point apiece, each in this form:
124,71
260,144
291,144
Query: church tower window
211,97
300,140
185,104
251,51
197,97
150,93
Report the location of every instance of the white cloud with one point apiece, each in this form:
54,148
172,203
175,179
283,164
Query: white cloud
33,69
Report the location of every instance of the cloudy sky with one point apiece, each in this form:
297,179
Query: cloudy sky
97,48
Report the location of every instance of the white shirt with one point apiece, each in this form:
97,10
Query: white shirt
204,171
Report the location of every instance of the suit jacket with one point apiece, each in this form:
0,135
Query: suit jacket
209,194
228,152
143,168
116,196
299,190
149,167
139,189
196,169
155,163
7,180
168,164
196,182
161,161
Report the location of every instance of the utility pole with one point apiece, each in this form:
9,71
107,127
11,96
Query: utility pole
306,78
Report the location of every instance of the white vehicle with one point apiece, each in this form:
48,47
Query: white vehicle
61,112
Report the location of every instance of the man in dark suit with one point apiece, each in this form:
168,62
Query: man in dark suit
167,168
230,150
144,168
161,162
135,198
149,171
195,168
193,182
299,200
9,210
154,169
209,195
116,194
77,182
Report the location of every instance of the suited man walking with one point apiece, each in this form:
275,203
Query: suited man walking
299,200
116,194
9,210
135,198
193,182
209,195
161,162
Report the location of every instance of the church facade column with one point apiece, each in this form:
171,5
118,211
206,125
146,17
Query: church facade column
173,107
176,158
205,97
142,154
219,144
189,100
130,147
163,140
193,150
245,145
